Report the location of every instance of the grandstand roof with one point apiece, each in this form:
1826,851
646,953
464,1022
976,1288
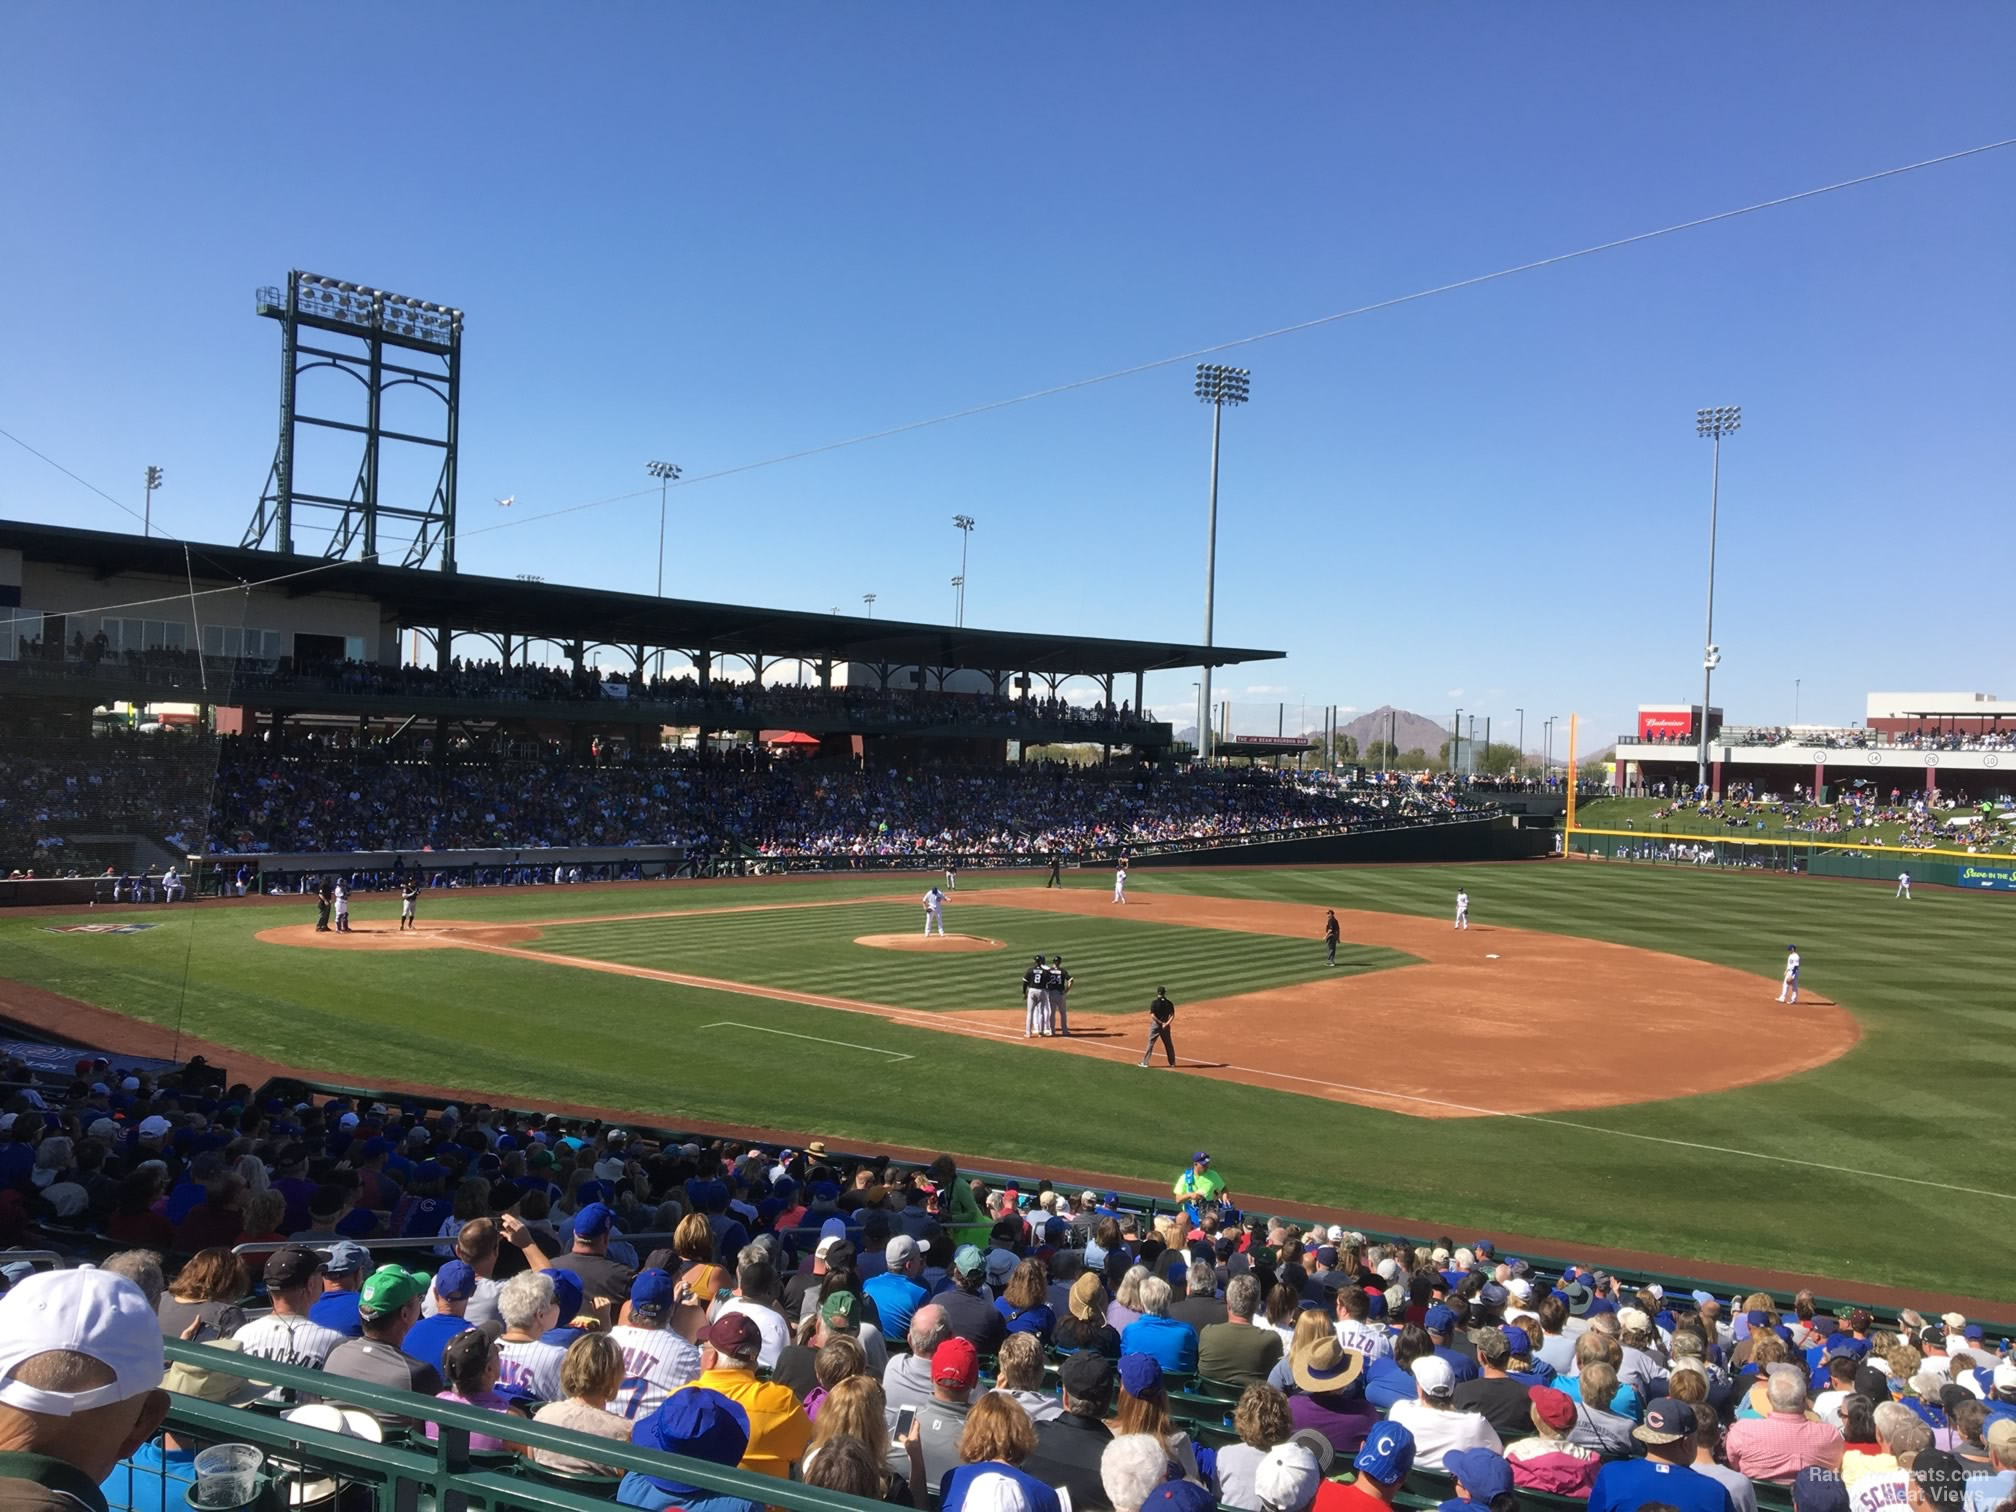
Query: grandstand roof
465,601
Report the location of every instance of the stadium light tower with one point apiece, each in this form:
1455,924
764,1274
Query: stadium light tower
869,600
1217,386
147,519
1714,423
964,524
666,473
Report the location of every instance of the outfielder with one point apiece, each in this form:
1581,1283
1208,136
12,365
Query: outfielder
1791,983
1904,886
1057,981
1036,1000
1120,883
934,912
409,898
1462,909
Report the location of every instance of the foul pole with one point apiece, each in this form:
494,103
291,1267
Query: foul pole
1568,832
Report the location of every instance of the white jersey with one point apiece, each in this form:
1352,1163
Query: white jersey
287,1341
656,1362
934,900
533,1365
1462,902
1792,966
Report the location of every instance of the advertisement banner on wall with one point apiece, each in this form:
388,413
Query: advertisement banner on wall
1996,878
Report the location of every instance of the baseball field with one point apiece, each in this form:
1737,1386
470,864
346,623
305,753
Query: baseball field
1600,1059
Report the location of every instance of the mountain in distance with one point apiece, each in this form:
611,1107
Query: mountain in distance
1408,731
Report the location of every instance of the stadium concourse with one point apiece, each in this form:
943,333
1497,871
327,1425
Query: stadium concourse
601,1295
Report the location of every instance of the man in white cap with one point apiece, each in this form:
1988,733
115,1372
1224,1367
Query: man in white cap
80,1386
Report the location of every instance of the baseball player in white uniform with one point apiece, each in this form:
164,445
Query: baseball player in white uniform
1036,1000
342,909
1791,982
1462,909
1904,886
1120,883
934,912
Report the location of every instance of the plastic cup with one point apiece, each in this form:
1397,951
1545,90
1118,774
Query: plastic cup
227,1475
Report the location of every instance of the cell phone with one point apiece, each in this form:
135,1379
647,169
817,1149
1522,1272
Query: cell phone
905,1417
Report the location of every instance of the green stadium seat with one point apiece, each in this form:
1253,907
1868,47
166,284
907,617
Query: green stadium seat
585,1485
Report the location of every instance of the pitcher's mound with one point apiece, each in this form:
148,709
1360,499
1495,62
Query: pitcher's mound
948,944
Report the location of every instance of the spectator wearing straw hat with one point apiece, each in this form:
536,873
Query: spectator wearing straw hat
1330,1385
81,1364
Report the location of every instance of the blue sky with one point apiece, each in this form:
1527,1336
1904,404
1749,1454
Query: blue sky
717,235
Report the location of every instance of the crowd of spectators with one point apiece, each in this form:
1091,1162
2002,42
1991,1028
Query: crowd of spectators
1841,738
1909,821
773,1309
236,796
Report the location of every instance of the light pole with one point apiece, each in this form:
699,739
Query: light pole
1714,423
963,523
147,519
1795,700
1519,768
665,473
1217,386
869,600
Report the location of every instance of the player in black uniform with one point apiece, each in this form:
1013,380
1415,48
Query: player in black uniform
1036,1001
1161,1014
1059,982
1056,871
1330,934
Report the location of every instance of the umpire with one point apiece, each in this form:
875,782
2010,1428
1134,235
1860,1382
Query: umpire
1161,1014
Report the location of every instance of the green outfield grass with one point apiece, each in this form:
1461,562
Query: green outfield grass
1637,814
1886,1134
1116,962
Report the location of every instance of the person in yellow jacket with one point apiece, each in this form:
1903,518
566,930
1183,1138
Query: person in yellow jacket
1200,1187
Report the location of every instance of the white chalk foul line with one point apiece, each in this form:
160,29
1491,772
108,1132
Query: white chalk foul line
817,1039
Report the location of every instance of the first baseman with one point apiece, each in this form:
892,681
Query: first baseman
1462,909
1120,883
1791,983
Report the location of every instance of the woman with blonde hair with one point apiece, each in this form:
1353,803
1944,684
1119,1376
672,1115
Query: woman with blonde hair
202,1302
1311,1324
591,1374
1025,1301
1144,1408
692,1244
856,1408
997,1438
1262,1420
1084,1325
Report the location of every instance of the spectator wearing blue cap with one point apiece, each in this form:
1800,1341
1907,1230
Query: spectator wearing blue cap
604,1282
1666,1474
1144,1408
656,1360
1483,1479
1382,1463
343,1276
454,1284
1441,1325
694,1424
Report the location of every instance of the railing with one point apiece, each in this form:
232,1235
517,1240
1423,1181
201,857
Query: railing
406,1474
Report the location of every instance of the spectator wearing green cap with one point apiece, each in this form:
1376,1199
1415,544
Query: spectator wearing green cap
387,1308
